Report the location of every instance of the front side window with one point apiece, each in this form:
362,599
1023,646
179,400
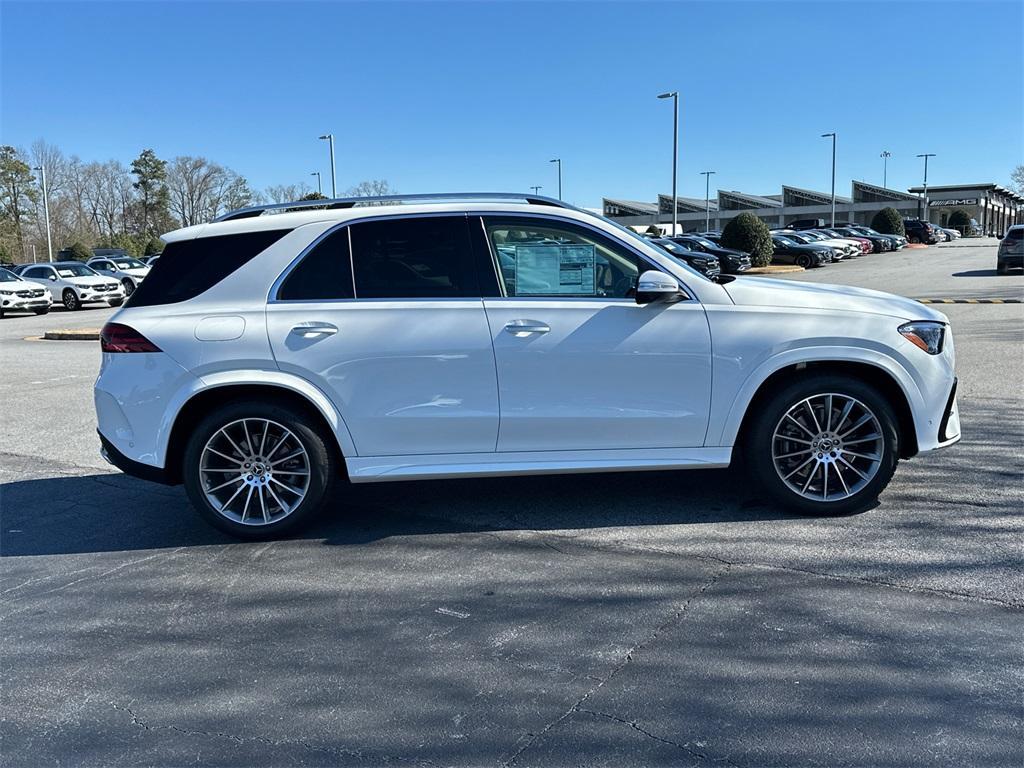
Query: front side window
538,257
417,257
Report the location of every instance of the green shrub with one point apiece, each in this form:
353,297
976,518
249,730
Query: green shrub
889,222
153,246
748,233
960,219
79,251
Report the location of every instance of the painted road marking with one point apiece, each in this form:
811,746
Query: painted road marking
970,301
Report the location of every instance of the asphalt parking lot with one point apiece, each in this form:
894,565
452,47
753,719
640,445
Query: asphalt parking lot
619,619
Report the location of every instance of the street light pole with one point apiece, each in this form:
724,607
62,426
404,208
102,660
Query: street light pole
46,210
924,216
886,154
536,189
826,135
707,198
674,95
319,184
559,161
334,183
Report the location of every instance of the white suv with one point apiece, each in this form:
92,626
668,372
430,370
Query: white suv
269,354
72,284
128,271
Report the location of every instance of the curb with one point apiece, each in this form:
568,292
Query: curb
773,270
970,301
73,334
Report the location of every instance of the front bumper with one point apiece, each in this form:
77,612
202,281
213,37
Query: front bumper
16,302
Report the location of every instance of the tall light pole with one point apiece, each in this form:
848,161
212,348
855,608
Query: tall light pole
319,184
46,210
824,136
924,216
536,189
886,154
334,183
707,198
674,95
559,161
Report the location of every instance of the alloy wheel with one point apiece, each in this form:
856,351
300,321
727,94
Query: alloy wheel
827,447
254,471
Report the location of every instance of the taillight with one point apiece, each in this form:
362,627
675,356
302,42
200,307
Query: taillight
117,337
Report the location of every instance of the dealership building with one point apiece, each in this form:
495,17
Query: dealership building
993,207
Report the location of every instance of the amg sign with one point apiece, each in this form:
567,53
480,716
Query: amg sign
960,201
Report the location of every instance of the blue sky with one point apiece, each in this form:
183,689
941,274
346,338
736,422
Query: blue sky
479,96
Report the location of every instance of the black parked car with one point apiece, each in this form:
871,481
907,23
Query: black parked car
704,263
733,261
920,231
806,256
879,242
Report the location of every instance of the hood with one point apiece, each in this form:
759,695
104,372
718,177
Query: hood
766,292
22,285
730,252
137,271
91,280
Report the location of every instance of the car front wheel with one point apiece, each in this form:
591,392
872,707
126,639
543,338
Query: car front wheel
256,470
825,445
803,260
70,300
129,287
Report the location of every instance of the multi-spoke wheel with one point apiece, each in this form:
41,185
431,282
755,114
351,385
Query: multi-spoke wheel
826,445
255,470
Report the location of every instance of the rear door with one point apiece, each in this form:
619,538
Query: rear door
581,365
385,317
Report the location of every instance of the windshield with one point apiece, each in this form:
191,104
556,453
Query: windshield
74,270
704,241
783,241
8,277
672,247
129,264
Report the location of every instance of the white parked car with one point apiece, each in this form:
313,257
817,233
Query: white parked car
273,354
73,284
127,270
17,295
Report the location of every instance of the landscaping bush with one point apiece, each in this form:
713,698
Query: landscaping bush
961,220
153,246
889,222
79,251
748,233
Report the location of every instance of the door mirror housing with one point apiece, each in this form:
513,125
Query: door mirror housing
654,285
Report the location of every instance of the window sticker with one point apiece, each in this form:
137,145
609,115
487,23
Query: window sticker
555,270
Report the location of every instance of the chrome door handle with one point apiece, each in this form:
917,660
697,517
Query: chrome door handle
309,330
526,327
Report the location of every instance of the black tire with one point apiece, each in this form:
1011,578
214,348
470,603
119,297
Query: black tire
323,467
803,260
129,287
41,310
1002,269
759,440
115,302
70,300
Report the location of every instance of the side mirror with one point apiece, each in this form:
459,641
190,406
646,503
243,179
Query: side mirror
53,277
656,286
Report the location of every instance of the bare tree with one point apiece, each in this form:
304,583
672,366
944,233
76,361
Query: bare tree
287,193
371,188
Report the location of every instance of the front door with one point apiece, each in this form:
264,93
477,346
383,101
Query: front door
580,364
385,317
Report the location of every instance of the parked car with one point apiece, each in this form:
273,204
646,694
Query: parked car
920,231
951,234
129,271
73,284
866,246
880,243
381,343
841,249
151,260
791,251
1011,250
806,224
733,262
704,263
17,295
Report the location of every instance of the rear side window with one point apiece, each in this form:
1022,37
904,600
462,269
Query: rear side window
421,257
1015,234
325,272
187,268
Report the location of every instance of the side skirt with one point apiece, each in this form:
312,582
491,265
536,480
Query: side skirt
441,466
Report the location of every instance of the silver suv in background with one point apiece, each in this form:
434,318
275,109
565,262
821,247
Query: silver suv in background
1011,250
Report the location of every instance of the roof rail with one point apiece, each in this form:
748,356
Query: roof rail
351,202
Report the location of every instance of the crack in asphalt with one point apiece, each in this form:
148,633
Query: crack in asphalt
685,747
626,659
332,751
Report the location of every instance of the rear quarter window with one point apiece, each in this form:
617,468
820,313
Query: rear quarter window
187,268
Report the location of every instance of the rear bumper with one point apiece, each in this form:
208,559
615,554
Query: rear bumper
113,456
1011,259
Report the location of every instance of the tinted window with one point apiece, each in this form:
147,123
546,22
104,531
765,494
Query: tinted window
422,257
539,257
189,267
1015,234
43,272
324,273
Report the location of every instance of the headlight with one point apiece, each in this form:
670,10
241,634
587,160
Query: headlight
7,293
926,334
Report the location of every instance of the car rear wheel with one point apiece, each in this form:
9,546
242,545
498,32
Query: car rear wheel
129,287
256,470
825,445
70,300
